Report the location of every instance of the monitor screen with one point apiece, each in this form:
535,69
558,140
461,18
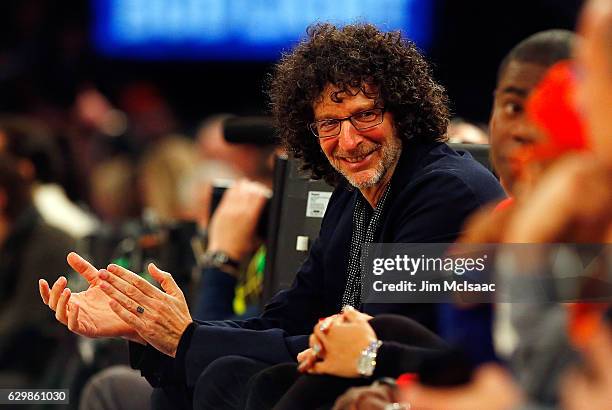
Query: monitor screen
238,29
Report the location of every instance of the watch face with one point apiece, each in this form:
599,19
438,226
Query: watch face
220,258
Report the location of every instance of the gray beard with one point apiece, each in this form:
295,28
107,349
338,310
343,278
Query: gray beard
390,155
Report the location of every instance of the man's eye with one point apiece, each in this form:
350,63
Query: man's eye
326,125
366,116
511,108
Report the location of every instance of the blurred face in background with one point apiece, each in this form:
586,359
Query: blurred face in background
249,161
510,127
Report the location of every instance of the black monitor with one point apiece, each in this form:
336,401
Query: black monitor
296,212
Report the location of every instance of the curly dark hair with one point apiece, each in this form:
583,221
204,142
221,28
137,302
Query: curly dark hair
354,57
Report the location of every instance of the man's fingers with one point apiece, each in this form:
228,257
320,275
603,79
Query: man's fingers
56,291
43,288
128,317
322,328
131,278
119,296
73,318
317,368
166,281
312,340
302,355
307,361
84,268
61,309
306,356
110,282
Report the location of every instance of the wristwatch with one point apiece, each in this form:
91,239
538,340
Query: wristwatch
367,361
220,260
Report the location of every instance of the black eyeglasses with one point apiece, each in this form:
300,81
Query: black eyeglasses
363,120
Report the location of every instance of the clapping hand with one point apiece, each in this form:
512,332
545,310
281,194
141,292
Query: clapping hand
159,317
85,313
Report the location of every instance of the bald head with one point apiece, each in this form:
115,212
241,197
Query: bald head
544,49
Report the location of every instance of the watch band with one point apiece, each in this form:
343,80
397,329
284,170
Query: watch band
218,259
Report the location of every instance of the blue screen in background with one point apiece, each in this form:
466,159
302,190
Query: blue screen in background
238,29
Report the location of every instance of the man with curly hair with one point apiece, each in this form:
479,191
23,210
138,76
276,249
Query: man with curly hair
357,63
359,107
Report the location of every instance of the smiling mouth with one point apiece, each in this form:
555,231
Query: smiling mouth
356,159
353,160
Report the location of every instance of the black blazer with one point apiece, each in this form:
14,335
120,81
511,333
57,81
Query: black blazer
433,190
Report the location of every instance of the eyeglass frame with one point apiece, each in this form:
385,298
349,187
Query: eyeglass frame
312,125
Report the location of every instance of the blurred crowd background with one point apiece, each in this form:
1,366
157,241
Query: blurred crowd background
115,143
99,108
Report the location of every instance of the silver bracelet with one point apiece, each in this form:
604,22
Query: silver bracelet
397,406
367,360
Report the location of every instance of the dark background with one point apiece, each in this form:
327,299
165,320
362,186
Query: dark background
46,57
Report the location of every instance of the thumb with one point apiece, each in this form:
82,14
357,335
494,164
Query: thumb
84,268
166,280
302,354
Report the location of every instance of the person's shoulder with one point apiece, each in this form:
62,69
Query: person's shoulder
444,163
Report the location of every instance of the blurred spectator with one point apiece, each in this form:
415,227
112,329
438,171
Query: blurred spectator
519,72
41,163
570,202
224,290
100,130
112,194
233,288
165,167
463,132
150,115
196,190
250,161
579,186
511,129
30,345
96,131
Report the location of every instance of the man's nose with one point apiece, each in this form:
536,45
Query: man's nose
349,138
